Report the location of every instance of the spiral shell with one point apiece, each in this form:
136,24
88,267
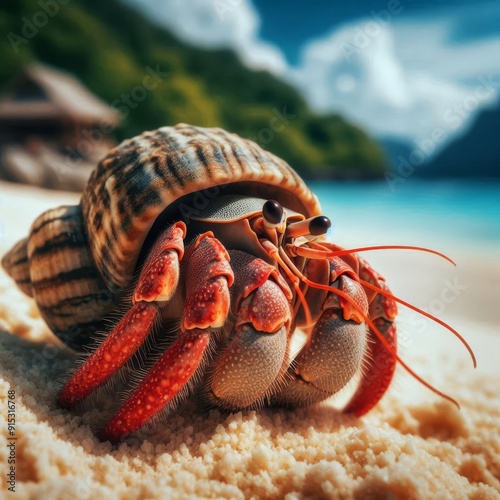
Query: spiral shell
77,260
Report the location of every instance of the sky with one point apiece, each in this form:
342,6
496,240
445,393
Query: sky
418,71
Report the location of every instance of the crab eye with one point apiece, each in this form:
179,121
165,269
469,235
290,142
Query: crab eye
272,212
319,225
314,226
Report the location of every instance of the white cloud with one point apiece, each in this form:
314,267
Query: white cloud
217,24
394,77
403,78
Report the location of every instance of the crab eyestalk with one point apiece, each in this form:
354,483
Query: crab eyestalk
314,226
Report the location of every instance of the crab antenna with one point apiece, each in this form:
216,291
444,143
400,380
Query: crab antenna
424,313
393,353
401,301
381,338
337,253
370,323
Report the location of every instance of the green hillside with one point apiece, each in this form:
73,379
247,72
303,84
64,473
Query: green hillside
111,48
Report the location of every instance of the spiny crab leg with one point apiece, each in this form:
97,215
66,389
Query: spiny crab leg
157,282
208,279
376,377
168,376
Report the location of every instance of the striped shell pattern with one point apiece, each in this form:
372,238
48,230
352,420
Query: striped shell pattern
78,260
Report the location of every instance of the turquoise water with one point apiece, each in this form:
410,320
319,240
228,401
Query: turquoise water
447,214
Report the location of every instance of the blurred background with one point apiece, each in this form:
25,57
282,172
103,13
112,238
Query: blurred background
392,104
389,108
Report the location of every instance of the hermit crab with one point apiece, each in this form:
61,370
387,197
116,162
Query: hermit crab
201,229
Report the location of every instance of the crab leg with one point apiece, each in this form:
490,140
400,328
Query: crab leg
334,351
157,283
208,279
256,353
379,370
377,377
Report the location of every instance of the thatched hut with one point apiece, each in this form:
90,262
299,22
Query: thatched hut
52,129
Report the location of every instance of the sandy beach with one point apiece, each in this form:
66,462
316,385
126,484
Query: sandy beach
412,445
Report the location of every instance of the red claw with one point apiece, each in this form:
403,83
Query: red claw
208,277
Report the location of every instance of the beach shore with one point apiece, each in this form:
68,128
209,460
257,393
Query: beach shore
414,444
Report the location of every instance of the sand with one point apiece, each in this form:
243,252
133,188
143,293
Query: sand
412,445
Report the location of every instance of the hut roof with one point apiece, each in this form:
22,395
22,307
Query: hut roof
61,95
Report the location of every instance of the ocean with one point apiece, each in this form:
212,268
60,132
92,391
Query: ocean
454,216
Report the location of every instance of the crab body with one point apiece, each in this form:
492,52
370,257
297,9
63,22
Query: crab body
205,229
